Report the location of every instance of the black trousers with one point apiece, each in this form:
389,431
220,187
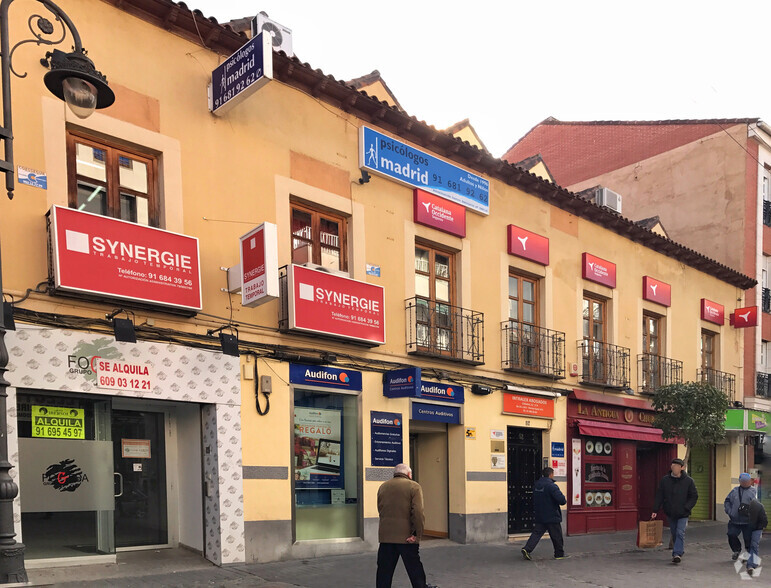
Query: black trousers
555,532
388,557
733,537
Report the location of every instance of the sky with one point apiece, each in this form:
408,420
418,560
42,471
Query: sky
508,65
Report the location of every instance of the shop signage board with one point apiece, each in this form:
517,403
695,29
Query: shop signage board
528,245
439,391
97,255
497,461
402,383
324,303
435,212
135,448
743,318
56,422
557,449
32,177
440,413
523,404
241,74
738,419
712,312
416,168
325,377
576,471
657,291
598,270
386,442
259,265
560,467
123,375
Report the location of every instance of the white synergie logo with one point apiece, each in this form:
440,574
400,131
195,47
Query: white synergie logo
306,292
77,242
742,571
253,243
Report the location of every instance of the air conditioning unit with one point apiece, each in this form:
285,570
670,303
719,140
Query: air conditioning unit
609,199
282,36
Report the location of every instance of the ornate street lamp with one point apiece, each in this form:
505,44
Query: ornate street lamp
74,79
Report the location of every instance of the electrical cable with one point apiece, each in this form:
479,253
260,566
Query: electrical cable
256,376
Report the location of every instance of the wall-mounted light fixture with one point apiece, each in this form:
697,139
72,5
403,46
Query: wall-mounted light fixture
122,327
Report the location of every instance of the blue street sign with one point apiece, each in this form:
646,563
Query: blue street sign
400,383
557,449
436,412
398,161
386,431
241,74
326,377
446,392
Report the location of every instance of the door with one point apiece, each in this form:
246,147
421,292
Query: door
524,468
429,461
139,455
648,476
700,469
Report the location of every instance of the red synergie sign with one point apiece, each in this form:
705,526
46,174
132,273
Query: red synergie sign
438,213
259,265
741,318
657,291
712,312
528,245
598,270
320,302
94,254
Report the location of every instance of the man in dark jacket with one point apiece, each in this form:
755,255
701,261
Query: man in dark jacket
400,506
736,506
677,495
547,499
758,522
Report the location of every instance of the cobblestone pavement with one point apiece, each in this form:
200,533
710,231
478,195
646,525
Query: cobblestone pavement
597,561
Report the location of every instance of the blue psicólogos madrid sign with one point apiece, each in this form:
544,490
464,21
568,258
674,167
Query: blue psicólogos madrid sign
241,74
398,161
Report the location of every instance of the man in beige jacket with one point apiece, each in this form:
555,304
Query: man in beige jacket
400,506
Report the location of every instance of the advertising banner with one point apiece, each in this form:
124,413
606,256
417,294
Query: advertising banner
320,302
56,422
598,270
446,392
712,312
745,317
657,291
386,431
241,74
528,245
401,383
398,161
259,265
326,377
318,448
438,213
576,472
436,412
528,405
122,375
94,254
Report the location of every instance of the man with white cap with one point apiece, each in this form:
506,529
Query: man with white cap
737,507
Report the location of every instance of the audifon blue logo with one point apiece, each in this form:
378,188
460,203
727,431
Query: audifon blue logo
437,391
326,377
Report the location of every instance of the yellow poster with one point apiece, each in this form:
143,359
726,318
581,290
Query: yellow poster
56,422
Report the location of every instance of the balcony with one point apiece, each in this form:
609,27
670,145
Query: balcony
532,350
767,213
766,300
655,371
723,381
763,385
603,364
441,330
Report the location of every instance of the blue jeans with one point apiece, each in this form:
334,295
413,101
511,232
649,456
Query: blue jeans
677,528
754,560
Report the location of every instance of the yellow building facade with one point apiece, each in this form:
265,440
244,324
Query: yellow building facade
477,345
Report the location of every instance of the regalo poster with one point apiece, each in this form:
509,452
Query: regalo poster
318,448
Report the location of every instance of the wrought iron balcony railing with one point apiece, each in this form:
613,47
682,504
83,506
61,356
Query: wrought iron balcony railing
534,350
723,381
767,213
442,330
763,385
604,364
766,300
655,371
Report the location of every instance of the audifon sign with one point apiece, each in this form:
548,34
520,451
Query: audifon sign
320,302
94,254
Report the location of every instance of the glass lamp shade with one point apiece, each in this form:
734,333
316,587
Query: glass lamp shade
80,96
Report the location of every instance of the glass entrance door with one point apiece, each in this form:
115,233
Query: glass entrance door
139,455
